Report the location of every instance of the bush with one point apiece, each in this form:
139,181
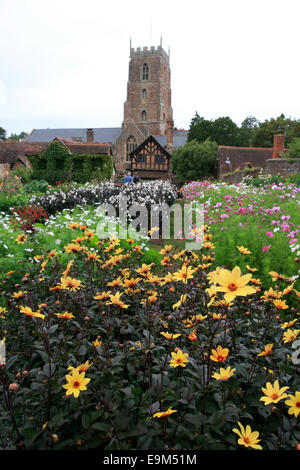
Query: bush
195,160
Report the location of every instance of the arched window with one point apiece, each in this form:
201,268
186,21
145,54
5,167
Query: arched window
144,116
144,94
131,144
145,74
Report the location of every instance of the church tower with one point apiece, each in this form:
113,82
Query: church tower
148,102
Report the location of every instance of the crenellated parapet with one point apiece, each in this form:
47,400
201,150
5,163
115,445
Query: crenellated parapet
146,52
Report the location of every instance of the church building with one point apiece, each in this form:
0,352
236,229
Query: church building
147,113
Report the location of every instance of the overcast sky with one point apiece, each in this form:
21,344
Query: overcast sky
64,63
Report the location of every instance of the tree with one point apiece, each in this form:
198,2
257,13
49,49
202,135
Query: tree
20,136
293,149
195,160
223,130
2,133
246,131
264,133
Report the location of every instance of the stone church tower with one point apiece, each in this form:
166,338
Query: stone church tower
148,101
147,110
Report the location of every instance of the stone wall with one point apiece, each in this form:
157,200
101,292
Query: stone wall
282,166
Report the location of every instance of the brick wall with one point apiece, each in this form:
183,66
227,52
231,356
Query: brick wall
282,166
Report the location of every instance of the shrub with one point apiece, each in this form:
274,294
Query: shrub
195,160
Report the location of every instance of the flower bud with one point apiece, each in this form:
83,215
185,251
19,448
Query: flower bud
13,386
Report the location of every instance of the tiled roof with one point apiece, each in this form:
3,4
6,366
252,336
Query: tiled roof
87,147
105,134
10,150
240,157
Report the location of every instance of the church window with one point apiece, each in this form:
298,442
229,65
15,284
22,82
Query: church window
131,144
144,116
145,72
144,94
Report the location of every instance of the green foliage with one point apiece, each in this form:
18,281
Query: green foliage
2,133
16,137
195,159
223,130
293,149
25,174
36,186
12,193
56,164
264,133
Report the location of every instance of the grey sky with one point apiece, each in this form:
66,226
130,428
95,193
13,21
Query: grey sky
64,63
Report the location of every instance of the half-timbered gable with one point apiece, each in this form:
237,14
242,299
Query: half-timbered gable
150,160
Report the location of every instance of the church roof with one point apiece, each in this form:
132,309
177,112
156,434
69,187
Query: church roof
178,140
101,134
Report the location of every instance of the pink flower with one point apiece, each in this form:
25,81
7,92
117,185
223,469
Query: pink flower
266,248
270,234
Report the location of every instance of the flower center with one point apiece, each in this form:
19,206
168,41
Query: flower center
246,439
178,360
274,396
232,286
76,384
298,404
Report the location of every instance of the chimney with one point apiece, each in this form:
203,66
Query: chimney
278,145
170,125
90,135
